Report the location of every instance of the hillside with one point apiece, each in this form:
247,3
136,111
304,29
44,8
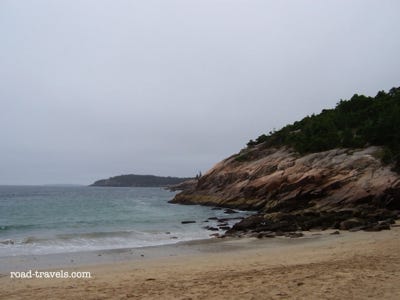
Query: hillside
355,123
337,169
133,180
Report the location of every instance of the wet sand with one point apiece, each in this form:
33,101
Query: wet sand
358,265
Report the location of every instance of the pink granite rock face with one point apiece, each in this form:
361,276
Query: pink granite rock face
278,179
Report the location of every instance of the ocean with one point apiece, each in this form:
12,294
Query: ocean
53,219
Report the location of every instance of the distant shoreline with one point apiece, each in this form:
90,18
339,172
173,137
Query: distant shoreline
134,180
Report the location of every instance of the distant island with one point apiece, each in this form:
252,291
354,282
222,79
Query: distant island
133,180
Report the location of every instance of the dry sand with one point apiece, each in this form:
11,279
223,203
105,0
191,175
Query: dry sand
357,265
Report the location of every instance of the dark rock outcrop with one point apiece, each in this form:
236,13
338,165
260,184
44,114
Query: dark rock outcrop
188,222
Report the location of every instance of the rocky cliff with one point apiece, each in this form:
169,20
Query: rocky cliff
293,192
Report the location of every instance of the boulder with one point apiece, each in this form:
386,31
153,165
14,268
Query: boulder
351,223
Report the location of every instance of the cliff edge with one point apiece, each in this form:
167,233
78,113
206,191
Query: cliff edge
338,169
281,180
317,190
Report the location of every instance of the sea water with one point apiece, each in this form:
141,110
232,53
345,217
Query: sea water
53,219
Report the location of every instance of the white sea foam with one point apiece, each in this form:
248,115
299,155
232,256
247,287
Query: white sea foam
33,245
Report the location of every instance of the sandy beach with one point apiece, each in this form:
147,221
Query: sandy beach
356,265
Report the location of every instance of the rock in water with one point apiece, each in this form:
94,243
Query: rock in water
188,222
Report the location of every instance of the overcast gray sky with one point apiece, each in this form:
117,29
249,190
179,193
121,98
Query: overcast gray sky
92,89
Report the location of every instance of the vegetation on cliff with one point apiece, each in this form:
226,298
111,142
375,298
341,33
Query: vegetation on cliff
335,178
354,123
133,180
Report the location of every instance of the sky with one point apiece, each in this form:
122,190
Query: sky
96,88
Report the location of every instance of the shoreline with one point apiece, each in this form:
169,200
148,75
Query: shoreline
320,265
181,248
